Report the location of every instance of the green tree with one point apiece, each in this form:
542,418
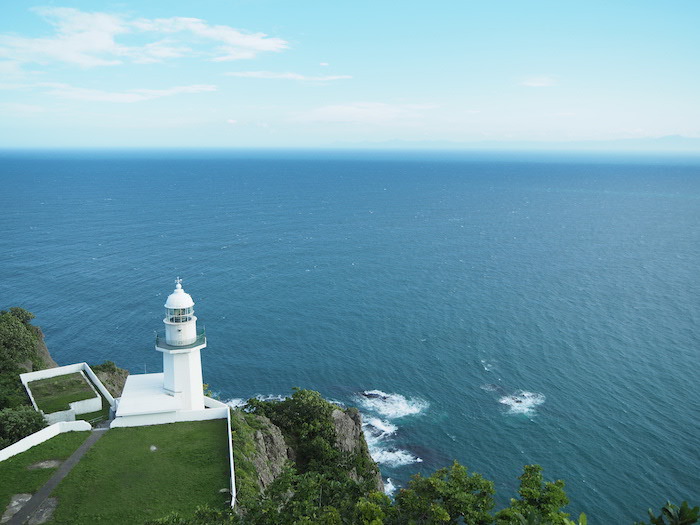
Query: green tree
17,423
17,340
542,499
447,496
20,313
673,515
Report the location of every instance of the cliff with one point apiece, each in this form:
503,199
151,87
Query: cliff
42,352
280,446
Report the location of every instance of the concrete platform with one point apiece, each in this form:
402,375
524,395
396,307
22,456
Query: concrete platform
144,394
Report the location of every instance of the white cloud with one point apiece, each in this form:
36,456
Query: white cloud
286,76
234,43
324,64
67,91
20,109
366,113
91,39
231,121
539,81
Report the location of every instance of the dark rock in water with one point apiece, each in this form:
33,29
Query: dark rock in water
372,395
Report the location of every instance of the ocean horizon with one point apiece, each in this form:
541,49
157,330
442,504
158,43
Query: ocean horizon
499,309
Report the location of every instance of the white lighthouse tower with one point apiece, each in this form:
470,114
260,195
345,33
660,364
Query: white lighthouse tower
182,365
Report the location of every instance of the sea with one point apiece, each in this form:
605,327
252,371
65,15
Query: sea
498,309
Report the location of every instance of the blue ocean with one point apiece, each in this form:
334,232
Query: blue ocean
497,309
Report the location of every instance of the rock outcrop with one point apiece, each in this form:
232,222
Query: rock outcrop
271,452
349,438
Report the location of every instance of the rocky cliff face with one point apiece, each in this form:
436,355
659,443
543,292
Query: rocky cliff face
43,352
41,358
271,452
348,428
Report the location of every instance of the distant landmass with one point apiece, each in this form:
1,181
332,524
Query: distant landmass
669,143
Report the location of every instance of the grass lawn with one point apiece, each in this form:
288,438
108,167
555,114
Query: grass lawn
54,393
16,479
122,480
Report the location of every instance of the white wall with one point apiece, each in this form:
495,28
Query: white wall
230,453
43,435
57,417
169,417
93,405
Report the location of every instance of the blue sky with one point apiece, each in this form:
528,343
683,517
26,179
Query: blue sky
273,73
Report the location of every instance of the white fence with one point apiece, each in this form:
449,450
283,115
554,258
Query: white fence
43,435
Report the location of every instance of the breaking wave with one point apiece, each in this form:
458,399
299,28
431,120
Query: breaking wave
379,408
522,402
391,405
394,457
389,487
238,402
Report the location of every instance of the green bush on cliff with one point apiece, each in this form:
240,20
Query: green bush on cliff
18,343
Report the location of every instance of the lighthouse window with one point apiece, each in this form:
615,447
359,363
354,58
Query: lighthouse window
179,315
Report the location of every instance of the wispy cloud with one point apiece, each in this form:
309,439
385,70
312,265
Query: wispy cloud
67,91
234,44
286,76
366,113
98,39
20,109
539,81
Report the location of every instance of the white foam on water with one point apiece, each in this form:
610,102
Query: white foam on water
394,457
391,405
378,427
238,402
270,397
522,402
487,366
389,487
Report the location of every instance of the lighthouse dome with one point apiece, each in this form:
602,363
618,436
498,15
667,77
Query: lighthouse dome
179,298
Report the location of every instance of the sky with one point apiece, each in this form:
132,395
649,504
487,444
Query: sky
302,73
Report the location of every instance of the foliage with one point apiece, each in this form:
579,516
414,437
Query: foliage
16,478
18,343
544,499
305,421
107,366
243,427
534,518
17,338
445,497
17,423
20,313
204,515
673,515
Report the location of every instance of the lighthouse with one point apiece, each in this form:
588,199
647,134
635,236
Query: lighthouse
180,346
